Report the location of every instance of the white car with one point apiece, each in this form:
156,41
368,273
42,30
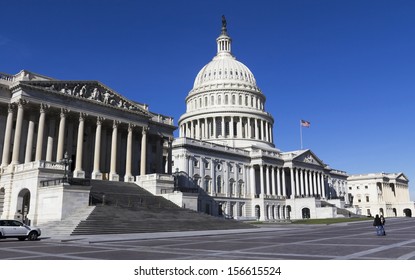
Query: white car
16,229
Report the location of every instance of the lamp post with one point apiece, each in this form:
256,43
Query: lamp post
66,162
176,180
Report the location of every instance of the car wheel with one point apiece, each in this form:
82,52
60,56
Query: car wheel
22,238
32,235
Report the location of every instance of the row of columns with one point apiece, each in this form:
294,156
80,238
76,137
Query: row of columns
304,182
307,183
78,172
249,128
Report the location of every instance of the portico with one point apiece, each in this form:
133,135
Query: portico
104,135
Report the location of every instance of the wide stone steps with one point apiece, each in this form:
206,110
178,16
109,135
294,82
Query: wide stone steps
127,208
113,220
66,226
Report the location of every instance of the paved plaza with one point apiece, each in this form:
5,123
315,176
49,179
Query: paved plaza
352,241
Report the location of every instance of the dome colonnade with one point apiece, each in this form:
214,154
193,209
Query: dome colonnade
225,104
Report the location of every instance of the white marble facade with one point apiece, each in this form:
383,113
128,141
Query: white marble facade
384,194
226,147
98,132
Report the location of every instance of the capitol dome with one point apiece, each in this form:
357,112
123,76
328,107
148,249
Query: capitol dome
225,106
224,69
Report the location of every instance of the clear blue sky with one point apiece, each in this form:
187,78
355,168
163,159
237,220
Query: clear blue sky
348,67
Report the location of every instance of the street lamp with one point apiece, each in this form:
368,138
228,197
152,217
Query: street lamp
176,179
66,162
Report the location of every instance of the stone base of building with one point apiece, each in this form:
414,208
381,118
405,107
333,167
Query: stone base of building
156,184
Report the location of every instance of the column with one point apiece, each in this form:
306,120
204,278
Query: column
223,127
261,178
113,166
252,181
18,132
78,172
256,129
7,136
323,189
278,182
297,183
267,192
284,190
249,127
273,181
197,129
319,184
261,122
212,175
240,128
292,182
96,173
231,131
29,143
302,182
128,157
143,167
306,178
266,131
49,142
61,136
214,127
40,132
314,184
169,156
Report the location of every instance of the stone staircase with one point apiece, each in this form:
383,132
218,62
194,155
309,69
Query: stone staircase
127,208
66,226
340,211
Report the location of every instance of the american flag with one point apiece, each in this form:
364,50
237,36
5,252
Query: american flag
305,123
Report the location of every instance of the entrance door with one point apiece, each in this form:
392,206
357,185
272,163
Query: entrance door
23,204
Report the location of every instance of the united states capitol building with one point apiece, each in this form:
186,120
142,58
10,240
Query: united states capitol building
224,162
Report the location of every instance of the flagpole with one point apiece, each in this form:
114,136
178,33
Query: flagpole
301,135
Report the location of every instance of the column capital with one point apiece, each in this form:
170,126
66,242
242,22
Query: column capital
131,126
10,107
100,120
44,107
115,124
64,112
82,116
21,102
145,129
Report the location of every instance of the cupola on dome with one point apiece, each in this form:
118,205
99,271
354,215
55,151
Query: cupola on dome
224,68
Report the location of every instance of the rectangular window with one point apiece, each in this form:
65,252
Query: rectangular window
367,198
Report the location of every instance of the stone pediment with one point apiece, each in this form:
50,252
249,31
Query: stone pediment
90,90
402,177
308,157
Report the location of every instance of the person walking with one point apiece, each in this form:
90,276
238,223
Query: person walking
377,223
382,222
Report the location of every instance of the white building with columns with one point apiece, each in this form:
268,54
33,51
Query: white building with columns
226,148
384,194
50,127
